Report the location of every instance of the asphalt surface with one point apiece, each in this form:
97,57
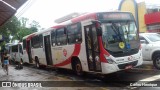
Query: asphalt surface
137,78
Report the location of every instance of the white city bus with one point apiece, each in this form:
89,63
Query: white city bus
15,52
103,42
27,56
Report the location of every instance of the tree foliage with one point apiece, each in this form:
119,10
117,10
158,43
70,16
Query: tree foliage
18,28
9,28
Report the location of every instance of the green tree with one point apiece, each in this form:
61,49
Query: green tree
9,28
23,21
24,30
18,28
35,24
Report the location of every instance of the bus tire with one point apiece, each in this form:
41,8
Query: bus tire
37,62
156,61
78,68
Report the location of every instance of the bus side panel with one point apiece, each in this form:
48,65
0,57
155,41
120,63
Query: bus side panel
40,53
61,55
25,56
83,57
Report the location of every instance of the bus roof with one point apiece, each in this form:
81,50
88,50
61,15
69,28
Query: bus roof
40,32
74,20
87,16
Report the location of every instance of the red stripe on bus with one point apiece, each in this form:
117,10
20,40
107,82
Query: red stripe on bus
68,61
30,37
58,26
103,51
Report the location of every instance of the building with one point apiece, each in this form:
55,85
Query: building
152,18
147,16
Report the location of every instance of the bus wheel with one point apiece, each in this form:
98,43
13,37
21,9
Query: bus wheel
156,61
37,62
78,68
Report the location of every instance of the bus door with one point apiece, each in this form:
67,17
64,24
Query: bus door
92,48
29,51
20,52
47,45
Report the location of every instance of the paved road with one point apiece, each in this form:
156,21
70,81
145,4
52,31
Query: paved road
130,79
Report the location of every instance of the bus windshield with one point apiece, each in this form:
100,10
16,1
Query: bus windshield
120,36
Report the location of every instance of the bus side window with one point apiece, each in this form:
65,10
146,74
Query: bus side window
24,44
53,38
61,37
41,40
15,48
37,41
20,49
74,33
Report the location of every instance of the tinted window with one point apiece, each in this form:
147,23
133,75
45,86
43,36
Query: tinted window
37,41
53,38
15,48
61,37
24,44
74,33
41,40
20,48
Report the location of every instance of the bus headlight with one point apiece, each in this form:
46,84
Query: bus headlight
110,61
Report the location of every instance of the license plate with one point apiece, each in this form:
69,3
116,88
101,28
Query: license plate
128,67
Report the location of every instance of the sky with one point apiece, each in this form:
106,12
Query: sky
47,11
